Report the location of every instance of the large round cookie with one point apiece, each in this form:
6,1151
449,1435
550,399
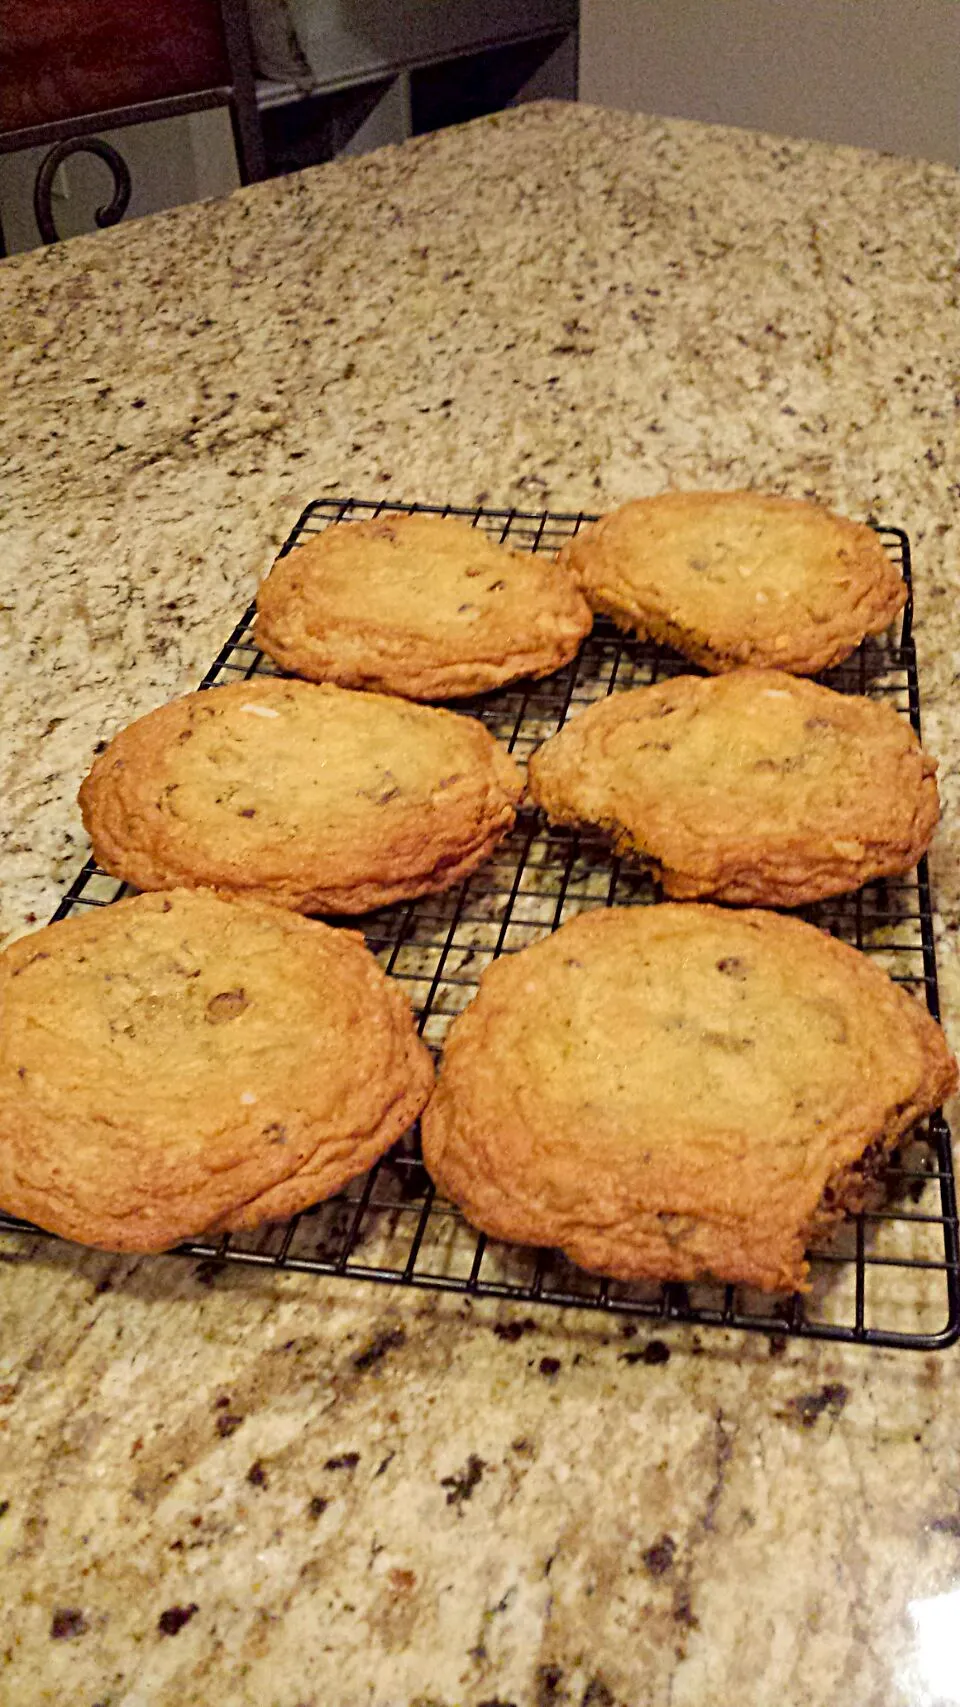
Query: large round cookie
731,578
675,1090
176,1062
311,797
423,606
755,787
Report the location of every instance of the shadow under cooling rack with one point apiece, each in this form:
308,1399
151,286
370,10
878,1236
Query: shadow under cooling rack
888,1276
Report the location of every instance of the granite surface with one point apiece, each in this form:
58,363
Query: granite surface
226,1486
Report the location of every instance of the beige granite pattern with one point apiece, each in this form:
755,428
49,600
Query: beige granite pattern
233,1487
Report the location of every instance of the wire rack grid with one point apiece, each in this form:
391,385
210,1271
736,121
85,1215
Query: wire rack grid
888,1276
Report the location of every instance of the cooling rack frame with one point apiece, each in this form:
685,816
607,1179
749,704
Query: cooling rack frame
390,1228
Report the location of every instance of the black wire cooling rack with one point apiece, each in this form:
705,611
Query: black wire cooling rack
888,1276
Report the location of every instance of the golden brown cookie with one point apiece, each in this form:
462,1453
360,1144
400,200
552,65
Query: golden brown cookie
423,606
178,1061
311,797
671,1091
732,578
755,787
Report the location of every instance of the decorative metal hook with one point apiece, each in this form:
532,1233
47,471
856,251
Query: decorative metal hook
108,215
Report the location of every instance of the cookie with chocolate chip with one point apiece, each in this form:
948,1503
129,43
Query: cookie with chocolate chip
672,1091
311,797
734,578
755,787
177,1063
423,606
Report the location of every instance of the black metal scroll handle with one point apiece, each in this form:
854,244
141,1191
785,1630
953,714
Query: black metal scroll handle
108,215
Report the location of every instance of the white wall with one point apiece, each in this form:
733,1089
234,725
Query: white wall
877,73
171,161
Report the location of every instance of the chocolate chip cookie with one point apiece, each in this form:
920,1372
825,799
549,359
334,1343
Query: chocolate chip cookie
755,787
733,578
673,1091
176,1063
314,798
423,606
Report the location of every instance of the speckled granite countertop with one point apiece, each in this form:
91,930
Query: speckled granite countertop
238,1488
